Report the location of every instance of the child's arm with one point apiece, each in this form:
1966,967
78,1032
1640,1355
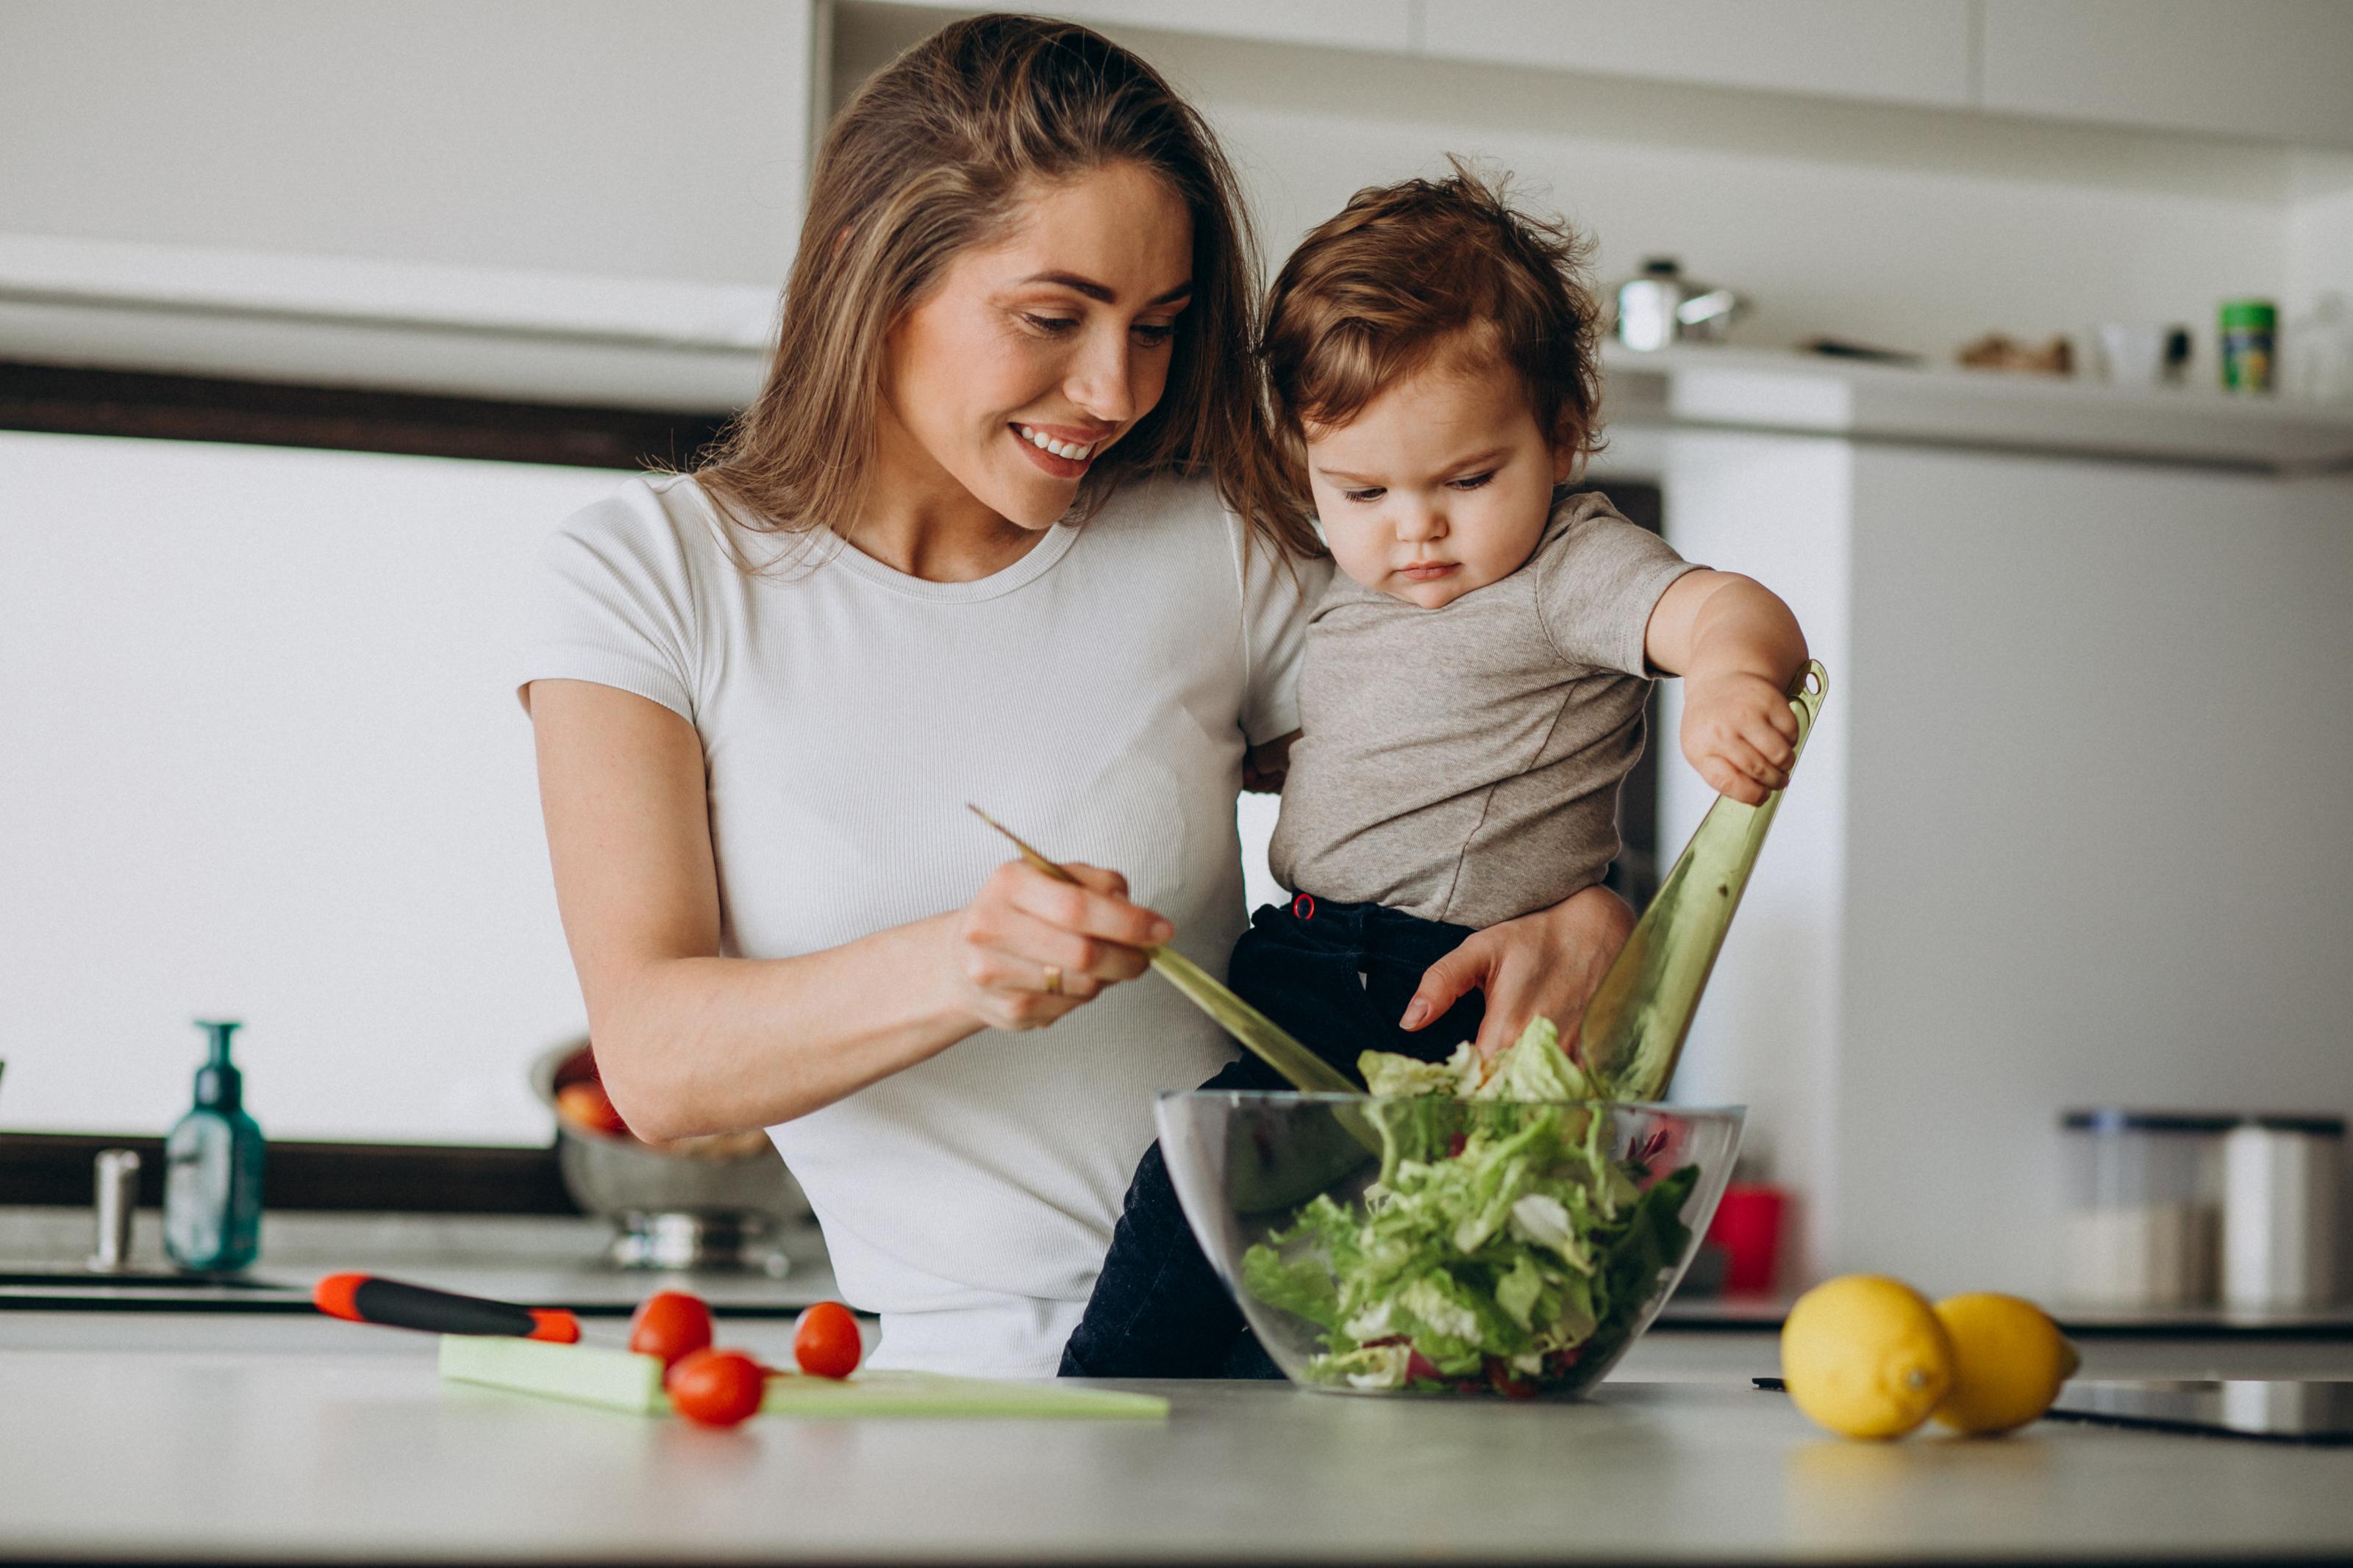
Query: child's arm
1737,648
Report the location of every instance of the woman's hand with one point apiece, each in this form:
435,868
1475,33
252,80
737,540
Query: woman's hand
1028,949
1545,964
1265,766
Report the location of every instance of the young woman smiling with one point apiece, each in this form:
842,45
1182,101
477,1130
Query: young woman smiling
999,528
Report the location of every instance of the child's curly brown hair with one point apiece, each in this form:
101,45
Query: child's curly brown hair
1408,271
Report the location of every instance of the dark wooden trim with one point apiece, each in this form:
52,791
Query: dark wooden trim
81,401
54,1170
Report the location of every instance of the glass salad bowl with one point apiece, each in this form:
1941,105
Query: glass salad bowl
1432,1245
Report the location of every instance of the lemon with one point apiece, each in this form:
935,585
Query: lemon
2009,1360
1865,1356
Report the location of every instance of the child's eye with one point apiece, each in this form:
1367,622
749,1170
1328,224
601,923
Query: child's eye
1366,497
1471,482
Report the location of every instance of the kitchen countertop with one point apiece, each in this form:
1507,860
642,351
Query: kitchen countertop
156,1436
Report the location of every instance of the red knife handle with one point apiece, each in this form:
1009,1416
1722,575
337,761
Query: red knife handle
365,1299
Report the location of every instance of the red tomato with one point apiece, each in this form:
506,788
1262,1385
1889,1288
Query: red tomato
670,1324
716,1388
587,1105
825,1341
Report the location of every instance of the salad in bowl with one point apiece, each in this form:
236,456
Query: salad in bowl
1487,1227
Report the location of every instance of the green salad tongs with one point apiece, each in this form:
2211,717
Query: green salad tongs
1272,1044
1635,1026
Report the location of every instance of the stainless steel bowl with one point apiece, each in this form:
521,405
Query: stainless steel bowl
700,1203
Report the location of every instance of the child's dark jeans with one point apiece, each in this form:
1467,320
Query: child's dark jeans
1337,976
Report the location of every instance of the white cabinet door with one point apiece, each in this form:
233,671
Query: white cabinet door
1340,24
2096,849
2253,67
1917,52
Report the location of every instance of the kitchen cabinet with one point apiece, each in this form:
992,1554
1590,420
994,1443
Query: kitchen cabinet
2062,836
1915,53
1343,24
2271,68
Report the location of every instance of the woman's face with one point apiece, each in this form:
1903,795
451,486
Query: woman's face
1036,352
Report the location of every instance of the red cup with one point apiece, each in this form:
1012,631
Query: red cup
1747,1227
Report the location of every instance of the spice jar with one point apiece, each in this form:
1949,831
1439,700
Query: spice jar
2248,328
2144,1207
2279,1211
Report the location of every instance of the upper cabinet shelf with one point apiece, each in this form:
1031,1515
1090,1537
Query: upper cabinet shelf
1917,52
2273,70
1705,387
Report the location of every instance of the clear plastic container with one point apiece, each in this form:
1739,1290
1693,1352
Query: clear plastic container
2144,1209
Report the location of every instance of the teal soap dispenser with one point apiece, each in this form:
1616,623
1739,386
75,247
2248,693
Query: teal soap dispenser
212,1163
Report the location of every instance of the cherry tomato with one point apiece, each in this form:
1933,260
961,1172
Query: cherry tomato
586,1104
825,1341
670,1324
716,1388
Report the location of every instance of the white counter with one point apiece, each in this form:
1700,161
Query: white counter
303,1439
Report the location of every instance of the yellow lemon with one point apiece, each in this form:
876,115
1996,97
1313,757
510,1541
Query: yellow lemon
2009,1360
1865,1356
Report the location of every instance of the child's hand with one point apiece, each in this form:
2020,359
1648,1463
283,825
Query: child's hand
1740,732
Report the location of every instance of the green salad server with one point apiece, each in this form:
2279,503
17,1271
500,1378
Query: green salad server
1272,1044
1634,1026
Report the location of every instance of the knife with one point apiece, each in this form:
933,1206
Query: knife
369,1299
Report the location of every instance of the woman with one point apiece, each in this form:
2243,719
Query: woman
967,545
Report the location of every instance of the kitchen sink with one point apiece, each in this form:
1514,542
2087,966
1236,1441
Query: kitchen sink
133,1279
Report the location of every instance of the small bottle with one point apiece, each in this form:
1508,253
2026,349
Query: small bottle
2248,327
212,1181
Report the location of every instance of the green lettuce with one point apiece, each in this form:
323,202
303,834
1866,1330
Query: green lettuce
1502,1248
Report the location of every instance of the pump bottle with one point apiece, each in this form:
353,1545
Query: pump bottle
212,1157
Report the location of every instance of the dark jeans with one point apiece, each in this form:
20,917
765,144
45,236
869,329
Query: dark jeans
1337,976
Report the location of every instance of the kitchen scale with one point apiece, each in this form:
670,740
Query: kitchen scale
2271,1410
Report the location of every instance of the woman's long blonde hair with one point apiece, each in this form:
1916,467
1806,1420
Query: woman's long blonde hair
928,159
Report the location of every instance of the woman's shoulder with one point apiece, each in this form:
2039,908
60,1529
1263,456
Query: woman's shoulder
670,513
1172,512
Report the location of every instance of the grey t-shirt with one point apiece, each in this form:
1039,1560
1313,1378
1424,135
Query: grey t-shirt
1462,763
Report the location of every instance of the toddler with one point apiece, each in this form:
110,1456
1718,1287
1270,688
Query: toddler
1473,683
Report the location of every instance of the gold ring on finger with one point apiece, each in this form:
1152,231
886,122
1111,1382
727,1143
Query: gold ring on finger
1053,981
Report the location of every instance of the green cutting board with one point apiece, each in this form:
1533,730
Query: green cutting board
931,1394
613,1379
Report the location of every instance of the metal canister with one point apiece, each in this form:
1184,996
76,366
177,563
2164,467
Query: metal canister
2248,330
2279,1211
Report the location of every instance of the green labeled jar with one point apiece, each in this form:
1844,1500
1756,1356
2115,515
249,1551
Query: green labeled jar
2248,328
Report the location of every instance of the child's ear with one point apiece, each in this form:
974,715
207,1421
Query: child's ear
1567,455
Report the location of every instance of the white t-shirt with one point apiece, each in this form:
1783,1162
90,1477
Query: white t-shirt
1096,696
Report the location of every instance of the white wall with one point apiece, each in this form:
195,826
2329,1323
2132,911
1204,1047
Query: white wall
263,759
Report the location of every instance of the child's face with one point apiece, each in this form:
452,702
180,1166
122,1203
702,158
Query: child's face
1440,485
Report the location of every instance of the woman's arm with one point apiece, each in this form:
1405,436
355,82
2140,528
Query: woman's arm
688,1042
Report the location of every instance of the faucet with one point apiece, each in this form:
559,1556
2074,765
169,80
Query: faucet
115,1204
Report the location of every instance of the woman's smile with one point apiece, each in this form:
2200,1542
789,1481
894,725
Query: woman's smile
1061,450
